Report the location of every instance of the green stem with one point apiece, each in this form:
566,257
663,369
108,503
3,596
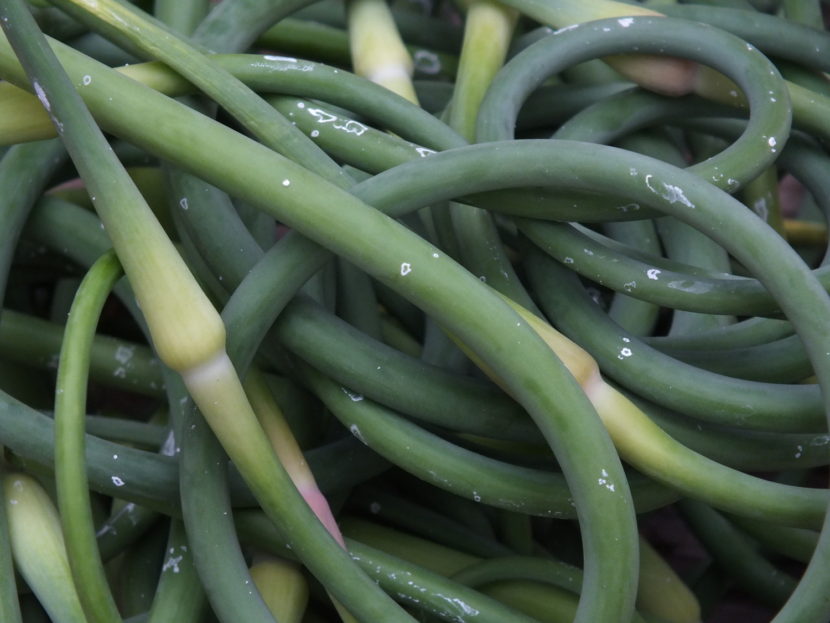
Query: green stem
70,412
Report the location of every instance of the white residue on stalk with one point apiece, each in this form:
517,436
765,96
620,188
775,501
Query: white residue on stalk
354,430
406,268
285,59
604,481
172,563
670,192
41,95
123,354
350,126
117,481
426,62
354,397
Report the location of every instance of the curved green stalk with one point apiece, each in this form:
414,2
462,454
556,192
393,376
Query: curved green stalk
735,552
70,468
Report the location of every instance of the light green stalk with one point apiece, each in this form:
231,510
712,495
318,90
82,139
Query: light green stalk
378,52
487,33
38,548
282,586
661,592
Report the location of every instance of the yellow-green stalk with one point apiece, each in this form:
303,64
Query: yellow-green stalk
38,548
805,232
661,593
283,588
378,52
284,443
487,32
285,446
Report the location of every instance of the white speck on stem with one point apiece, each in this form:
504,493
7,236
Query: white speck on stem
653,273
354,430
625,22
426,62
285,59
41,95
172,563
286,182
117,481
353,396
406,268
315,133
183,203
603,481
123,354
86,80
625,353
169,446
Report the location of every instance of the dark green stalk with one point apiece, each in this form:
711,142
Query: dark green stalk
430,524
544,570
733,551
772,35
179,596
794,543
24,171
113,362
127,524
431,592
